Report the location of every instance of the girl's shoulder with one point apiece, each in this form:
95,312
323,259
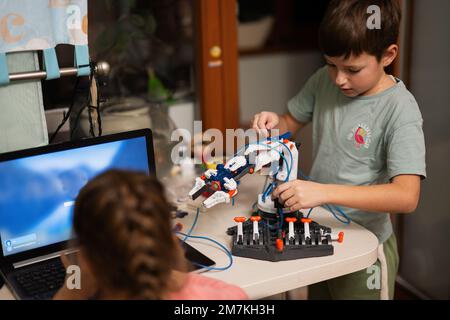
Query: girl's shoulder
199,287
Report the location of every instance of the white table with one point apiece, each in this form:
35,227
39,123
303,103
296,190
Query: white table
263,278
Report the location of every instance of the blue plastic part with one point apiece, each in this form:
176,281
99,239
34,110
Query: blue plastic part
4,74
51,64
223,173
82,60
286,135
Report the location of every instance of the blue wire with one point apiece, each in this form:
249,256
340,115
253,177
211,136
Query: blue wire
309,212
347,219
217,243
193,225
288,149
268,190
289,167
303,176
330,207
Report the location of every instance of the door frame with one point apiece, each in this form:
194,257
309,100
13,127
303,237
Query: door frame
217,83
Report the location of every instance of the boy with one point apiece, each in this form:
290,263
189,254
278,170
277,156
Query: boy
368,143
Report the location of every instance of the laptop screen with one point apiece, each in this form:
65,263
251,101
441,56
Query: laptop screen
37,192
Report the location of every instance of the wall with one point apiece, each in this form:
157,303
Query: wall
425,261
268,81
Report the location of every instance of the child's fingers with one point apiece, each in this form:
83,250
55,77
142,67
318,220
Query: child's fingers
286,195
271,123
291,202
296,207
65,260
255,121
262,121
280,189
256,125
69,259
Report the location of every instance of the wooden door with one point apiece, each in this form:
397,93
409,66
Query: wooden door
217,63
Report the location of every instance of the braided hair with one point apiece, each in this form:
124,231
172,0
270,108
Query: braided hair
122,222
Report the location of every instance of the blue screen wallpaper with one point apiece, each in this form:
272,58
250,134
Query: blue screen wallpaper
37,193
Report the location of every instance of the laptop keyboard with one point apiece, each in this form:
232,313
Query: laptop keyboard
42,281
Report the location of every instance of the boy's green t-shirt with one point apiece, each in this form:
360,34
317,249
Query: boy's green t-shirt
363,140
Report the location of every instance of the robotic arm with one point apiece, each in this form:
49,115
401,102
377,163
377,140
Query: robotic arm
272,233
220,185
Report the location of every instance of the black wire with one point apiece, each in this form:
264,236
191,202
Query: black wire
66,115
76,122
91,125
88,105
90,108
99,117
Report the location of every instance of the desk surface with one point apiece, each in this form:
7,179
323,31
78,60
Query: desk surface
263,278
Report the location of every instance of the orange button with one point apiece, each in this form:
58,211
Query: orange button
279,245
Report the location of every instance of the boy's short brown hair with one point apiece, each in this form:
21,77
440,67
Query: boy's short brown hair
344,30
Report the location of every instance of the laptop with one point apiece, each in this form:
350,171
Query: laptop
38,188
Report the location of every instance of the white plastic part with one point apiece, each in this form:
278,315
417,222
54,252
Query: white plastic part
266,158
210,172
292,164
291,231
307,233
240,231
257,147
216,198
235,163
268,205
255,230
230,184
335,236
199,183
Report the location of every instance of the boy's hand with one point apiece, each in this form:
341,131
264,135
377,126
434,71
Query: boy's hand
299,194
264,121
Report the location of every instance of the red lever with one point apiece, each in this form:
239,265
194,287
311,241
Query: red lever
239,219
293,219
341,237
306,220
255,218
